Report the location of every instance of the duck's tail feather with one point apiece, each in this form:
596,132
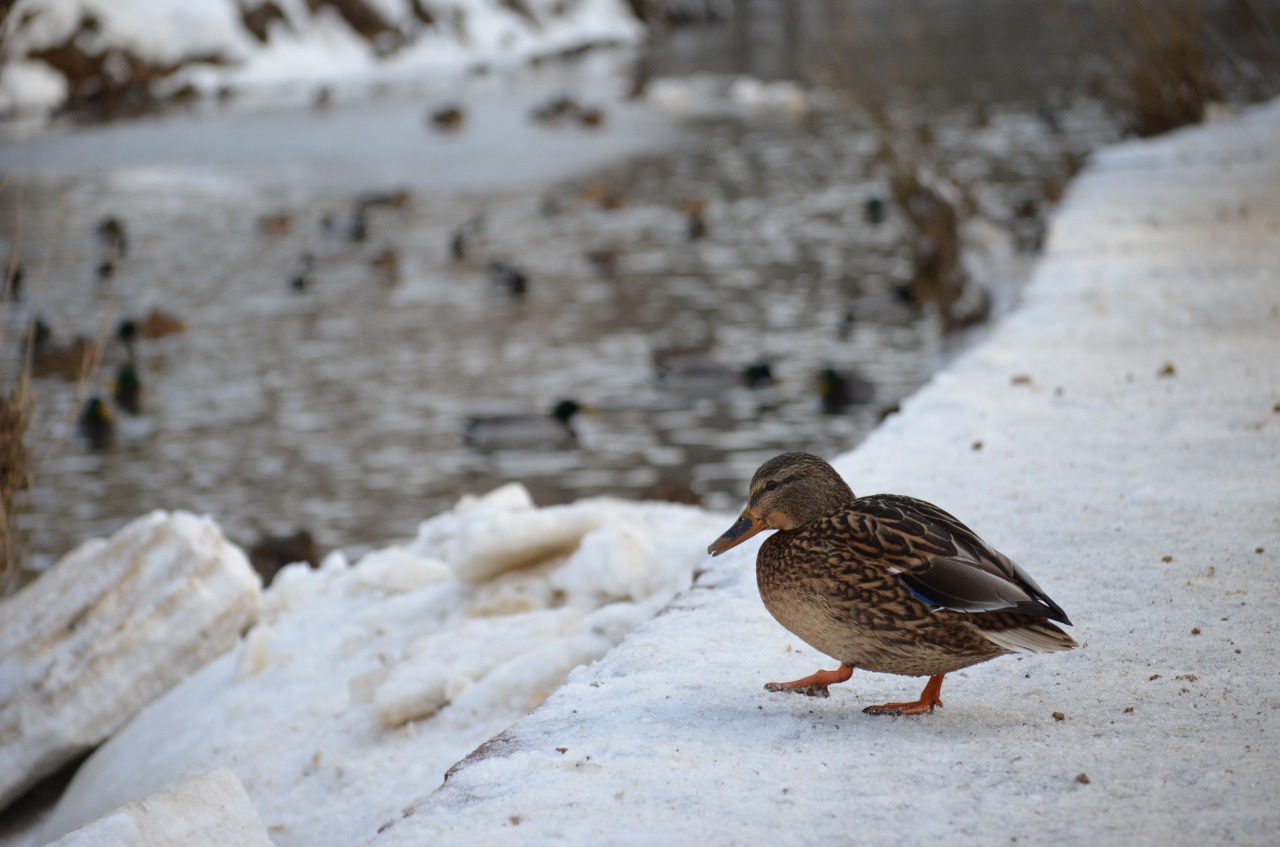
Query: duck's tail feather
1037,637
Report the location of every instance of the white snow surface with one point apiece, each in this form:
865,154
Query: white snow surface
202,810
1119,437
307,49
362,684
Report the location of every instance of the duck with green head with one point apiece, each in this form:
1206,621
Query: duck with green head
96,424
127,389
526,431
887,583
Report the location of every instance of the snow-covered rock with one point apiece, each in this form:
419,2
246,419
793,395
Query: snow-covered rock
203,810
362,684
111,626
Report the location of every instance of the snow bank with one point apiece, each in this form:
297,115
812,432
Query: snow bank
204,810
98,46
111,626
1119,437
361,685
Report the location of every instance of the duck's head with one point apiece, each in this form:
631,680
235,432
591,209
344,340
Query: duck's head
758,374
97,411
564,410
787,491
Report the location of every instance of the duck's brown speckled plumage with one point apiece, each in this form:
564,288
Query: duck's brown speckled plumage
886,583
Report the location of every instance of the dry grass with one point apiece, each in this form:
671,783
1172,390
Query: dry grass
1163,73
16,406
19,463
15,478
1168,61
931,200
935,205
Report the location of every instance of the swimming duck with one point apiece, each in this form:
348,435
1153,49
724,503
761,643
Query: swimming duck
516,431
300,276
158,323
127,389
448,118
556,109
72,360
886,583
111,231
838,391
96,424
694,370
463,237
509,278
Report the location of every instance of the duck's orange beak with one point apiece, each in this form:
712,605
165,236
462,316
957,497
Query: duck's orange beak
746,526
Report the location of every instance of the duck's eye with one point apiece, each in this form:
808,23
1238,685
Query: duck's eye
770,485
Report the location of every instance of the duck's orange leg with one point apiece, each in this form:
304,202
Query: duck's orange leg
815,684
930,697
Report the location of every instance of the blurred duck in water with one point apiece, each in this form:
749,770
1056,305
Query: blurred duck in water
300,277
96,424
463,237
838,391
528,431
509,278
127,389
49,358
696,370
158,323
127,334
111,231
448,118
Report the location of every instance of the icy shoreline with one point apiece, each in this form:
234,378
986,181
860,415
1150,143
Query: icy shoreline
360,684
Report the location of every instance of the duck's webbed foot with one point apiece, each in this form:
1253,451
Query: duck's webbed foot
815,684
929,698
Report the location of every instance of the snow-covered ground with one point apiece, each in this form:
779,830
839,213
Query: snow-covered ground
1119,436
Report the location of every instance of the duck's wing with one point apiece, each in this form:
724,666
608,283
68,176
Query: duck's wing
944,563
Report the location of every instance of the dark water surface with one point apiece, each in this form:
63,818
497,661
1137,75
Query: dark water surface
341,408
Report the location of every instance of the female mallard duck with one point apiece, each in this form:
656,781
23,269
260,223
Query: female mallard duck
886,583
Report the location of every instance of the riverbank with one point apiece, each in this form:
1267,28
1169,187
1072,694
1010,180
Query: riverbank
1119,437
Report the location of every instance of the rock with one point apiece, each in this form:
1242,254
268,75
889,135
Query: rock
110,627
211,808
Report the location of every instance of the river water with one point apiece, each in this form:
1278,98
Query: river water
341,408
